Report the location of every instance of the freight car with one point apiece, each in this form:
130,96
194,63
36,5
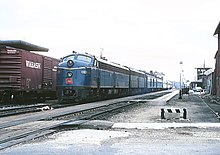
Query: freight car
86,77
24,74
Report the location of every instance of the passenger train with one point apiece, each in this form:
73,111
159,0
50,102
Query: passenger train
83,77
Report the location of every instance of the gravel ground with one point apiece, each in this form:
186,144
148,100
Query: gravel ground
213,102
193,139
197,111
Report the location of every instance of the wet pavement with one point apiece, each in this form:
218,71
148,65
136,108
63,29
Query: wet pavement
137,131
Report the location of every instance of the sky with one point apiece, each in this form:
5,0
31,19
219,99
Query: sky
143,34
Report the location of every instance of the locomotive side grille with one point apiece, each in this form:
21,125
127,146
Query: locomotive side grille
47,74
10,70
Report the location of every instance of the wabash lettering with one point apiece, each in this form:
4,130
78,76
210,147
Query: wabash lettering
31,64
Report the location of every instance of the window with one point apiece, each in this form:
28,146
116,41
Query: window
96,64
68,58
84,58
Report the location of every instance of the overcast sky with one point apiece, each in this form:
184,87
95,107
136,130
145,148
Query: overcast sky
143,34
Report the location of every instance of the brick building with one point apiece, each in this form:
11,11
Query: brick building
216,81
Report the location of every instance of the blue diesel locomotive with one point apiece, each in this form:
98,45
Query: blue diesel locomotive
83,77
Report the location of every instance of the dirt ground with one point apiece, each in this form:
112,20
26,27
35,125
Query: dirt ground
149,112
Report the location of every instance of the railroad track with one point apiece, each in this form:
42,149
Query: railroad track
11,110
14,129
16,110
213,105
23,109
47,126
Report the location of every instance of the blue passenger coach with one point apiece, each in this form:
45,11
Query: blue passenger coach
86,77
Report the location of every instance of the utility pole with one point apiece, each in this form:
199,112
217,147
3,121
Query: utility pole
180,91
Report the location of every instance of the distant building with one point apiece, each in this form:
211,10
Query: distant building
216,79
201,71
197,83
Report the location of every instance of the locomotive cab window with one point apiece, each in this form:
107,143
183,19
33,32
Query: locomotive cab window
69,58
84,58
96,63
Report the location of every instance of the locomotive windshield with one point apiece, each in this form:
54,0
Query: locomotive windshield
68,58
84,58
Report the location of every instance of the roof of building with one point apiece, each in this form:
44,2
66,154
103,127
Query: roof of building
217,31
23,45
197,81
208,72
203,68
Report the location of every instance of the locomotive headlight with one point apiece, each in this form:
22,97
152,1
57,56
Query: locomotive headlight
69,74
70,63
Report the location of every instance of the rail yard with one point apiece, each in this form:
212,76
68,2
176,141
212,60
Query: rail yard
84,104
109,77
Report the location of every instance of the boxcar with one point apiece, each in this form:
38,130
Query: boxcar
24,74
